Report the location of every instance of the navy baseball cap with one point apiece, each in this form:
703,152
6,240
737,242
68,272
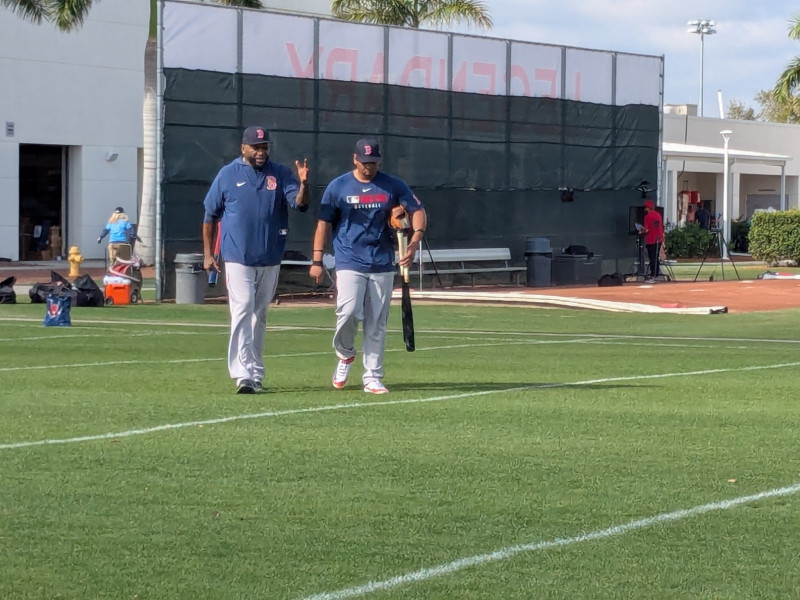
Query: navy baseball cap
254,135
119,209
368,150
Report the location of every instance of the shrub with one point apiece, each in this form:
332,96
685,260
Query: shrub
688,241
775,236
740,236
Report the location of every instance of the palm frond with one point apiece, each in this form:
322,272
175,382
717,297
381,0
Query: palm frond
383,12
447,12
412,13
30,10
242,3
789,81
794,28
69,14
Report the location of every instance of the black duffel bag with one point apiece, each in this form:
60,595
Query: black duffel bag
89,294
57,285
7,293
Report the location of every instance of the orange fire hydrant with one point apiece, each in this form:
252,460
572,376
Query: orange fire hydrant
75,259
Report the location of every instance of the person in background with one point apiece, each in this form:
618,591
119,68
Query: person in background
702,217
653,231
251,196
356,207
120,231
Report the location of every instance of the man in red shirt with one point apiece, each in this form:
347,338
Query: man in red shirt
653,237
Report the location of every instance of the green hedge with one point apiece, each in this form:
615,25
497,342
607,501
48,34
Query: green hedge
775,235
689,241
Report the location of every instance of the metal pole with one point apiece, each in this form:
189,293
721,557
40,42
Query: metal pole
725,231
159,250
702,49
783,187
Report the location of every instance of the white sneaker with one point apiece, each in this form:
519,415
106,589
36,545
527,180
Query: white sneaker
375,386
342,371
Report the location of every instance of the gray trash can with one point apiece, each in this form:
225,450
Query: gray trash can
538,262
190,279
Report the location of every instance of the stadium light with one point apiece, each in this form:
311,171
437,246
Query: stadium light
702,27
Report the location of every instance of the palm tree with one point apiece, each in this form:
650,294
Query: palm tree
789,81
413,13
67,15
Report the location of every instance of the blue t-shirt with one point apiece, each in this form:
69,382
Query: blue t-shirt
359,217
119,232
253,206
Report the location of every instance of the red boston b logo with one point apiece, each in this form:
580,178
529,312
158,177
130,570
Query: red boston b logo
260,133
367,150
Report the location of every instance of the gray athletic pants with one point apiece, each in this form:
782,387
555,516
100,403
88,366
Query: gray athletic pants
250,290
364,297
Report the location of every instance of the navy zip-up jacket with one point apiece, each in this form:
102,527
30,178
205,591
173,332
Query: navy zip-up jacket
253,207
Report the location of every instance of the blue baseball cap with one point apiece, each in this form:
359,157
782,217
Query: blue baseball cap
368,150
255,135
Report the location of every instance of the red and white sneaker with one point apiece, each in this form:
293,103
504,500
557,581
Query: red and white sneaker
342,371
375,386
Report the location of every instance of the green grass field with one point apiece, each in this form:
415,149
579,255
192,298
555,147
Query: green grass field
522,453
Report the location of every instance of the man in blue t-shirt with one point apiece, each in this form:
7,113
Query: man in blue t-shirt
250,198
356,208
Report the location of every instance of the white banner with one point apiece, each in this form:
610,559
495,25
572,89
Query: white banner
588,76
203,36
278,45
638,80
479,65
350,52
417,59
535,70
198,38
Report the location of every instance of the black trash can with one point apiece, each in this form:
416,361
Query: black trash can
538,262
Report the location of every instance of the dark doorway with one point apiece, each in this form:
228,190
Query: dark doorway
42,172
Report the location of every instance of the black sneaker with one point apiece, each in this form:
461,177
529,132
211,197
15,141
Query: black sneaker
258,386
245,386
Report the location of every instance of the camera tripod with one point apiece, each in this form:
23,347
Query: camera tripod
640,273
717,241
643,273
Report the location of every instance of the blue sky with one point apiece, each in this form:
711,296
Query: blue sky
747,54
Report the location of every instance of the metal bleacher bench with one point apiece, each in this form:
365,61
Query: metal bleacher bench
465,261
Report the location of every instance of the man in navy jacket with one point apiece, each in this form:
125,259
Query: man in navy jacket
250,198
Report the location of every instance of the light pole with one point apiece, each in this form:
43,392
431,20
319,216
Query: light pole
702,27
725,231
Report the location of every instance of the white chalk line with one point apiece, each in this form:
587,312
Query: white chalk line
511,551
355,405
113,363
62,337
455,332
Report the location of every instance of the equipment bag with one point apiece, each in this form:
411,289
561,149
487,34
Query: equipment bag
611,279
88,292
7,293
57,313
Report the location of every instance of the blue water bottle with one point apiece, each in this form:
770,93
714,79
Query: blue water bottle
212,277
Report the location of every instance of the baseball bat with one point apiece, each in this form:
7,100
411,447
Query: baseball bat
405,305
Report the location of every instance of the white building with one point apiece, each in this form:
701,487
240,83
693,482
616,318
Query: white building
71,112
763,158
